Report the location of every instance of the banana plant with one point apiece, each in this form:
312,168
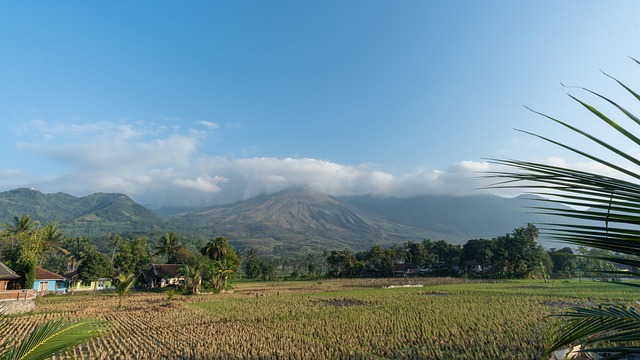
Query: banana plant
602,212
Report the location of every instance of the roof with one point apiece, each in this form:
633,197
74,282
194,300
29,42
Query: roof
42,274
166,270
6,273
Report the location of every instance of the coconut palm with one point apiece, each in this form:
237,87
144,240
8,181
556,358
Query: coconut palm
50,338
52,241
168,245
610,223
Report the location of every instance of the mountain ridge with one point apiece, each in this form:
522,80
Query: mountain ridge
293,221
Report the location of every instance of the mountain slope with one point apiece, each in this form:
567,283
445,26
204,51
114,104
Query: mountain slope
462,218
295,221
299,220
94,215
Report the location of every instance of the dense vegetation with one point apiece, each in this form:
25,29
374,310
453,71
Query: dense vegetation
211,266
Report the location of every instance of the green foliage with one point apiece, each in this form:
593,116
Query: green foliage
193,275
51,338
23,244
225,261
609,225
168,246
123,284
94,266
170,293
132,255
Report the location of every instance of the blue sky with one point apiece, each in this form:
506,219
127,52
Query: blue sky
206,102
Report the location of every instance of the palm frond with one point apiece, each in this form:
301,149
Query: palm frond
592,210
53,337
612,324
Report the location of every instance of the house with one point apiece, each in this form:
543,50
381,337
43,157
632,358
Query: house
8,278
47,281
405,270
161,275
75,284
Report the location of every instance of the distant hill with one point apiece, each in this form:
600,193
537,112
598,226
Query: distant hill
94,215
295,221
459,217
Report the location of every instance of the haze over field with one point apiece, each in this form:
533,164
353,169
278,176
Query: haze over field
207,103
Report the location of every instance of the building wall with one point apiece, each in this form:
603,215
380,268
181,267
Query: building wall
50,286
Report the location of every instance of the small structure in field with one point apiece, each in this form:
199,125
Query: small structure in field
161,275
8,278
47,281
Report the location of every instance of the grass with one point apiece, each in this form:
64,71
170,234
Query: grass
332,319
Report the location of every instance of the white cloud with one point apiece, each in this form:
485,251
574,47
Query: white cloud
209,124
204,184
166,167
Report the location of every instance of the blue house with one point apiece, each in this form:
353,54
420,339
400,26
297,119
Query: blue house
47,281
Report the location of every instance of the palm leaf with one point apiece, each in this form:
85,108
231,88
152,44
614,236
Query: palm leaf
610,221
53,337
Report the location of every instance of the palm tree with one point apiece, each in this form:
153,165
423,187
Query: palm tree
169,245
21,225
50,338
52,241
116,240
123,285
611,223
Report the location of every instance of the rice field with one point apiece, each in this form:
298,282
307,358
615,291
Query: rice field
342,319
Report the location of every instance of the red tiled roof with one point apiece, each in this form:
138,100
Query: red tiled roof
42,274
7,274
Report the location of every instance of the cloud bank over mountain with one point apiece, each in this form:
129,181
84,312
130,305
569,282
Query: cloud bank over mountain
170,165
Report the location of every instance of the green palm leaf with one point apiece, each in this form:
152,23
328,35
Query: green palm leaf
610,222
53,337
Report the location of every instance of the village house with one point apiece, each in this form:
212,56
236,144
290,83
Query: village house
47,281
161,275
8,278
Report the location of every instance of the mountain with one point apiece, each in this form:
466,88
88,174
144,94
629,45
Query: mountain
299,220
94,215
291,222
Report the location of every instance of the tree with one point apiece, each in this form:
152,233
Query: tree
480,253
95,266
52,241
379,262
132,255
115,242
342,263
193,275
168,246
564,263
311,265
23,255
610,224
252,265
123,284
225,260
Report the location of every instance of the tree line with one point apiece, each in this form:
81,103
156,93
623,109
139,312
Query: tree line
26,244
